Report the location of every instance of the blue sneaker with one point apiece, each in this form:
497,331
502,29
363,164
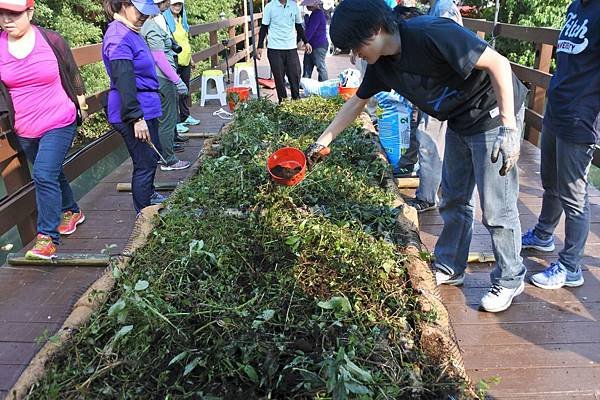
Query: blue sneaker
191,121
182,128
557,276
157,198
529,240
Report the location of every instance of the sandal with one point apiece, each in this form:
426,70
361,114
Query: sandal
223,114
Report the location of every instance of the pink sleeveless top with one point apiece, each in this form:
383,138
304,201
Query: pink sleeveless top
39,100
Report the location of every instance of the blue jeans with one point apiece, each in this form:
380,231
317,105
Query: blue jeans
316,59
466,164
564,170
144,162
431,136
53,194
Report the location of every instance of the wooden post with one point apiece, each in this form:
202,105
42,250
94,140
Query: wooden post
214,39
537,101
232,48
246,34
15,173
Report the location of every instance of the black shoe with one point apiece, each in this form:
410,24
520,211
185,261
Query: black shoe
177,148
181,139
421,205
407,172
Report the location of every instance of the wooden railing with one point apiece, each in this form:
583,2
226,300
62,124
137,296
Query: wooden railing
539,76
18,207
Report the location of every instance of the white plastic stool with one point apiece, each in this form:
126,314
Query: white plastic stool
217,76
248,68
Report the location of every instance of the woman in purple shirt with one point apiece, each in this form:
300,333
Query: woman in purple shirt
316,34
133,99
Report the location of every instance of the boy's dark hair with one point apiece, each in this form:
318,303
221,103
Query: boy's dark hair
355,21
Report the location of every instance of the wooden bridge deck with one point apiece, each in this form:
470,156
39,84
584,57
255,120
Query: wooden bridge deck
547,346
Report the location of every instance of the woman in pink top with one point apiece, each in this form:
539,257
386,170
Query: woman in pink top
42,96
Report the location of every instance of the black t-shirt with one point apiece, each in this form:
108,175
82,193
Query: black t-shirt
435,71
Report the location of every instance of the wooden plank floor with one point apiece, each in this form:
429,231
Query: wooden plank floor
547,345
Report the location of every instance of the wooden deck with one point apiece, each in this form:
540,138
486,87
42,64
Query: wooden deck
547,345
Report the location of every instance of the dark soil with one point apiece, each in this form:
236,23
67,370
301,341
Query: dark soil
284,172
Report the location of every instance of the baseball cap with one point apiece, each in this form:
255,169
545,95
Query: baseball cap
16,5
177,2
146,7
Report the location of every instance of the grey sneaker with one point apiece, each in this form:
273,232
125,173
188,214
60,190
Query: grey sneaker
175,166
444,278
498,298
557,276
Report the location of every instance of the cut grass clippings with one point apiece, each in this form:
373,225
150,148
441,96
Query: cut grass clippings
247,290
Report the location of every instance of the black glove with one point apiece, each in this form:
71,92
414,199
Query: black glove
316,152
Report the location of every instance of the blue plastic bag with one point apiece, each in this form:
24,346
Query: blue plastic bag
394,125
327,88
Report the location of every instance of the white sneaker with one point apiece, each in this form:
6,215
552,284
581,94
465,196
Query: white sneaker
498,298
557,276
443,278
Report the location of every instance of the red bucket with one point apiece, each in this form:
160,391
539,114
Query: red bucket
236,95
347,92
287,166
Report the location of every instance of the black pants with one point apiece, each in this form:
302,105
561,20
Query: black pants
285,62
144,162
185,73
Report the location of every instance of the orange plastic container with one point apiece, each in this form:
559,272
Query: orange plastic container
236,95
347,92
287,157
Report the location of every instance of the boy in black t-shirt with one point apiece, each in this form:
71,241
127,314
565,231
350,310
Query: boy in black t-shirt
450,74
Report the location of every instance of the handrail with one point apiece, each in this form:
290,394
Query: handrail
18,207
511,31
539,77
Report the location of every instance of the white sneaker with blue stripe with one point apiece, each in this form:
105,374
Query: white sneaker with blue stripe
529,240
557,276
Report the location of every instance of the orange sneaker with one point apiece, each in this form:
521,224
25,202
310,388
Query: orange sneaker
69,222
43,249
